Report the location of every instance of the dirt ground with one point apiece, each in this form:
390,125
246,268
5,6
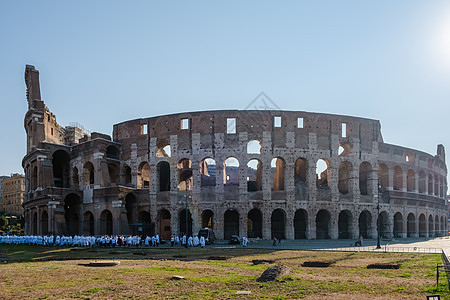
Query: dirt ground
218,274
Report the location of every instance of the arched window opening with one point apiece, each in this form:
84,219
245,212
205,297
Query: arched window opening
34,178
143,176
112,152
410,181
88,173
126,172
365,171
430,184
383,176
344,172
61,167
231,172
164,176
164,150
422,182
277,168
185,181
113,171
322,174
398,178
345,150
301,178
208,172
436,185
75,177
254,147
254,175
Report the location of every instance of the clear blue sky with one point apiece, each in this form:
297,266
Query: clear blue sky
104,62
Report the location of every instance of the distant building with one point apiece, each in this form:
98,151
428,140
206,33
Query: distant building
13,190
1,202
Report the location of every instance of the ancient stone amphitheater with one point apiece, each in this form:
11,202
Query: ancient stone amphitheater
255,173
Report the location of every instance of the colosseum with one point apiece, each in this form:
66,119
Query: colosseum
255,173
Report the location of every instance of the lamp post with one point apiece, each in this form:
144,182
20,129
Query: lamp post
378,217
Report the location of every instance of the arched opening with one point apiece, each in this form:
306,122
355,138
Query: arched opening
436,185
277,168
254,223
106,223
278,224
410,181
411,225
430,184
72,204
344,223
383,176
131,208
345,169
208,219
300,224
164,176
44,223
126,173
398,178
365,171
143,175
431,226
61,167
398,225
436,226
145,226
231,223
254,175
231,172
185,222
345,150
422,226
442,231
34,178
364,223
75,177
113,171
112,152
185,182
165,231
422,182
208,172
384,225
323,218
301,178
164,149
88,173
254,147
322,173
88,223
34,223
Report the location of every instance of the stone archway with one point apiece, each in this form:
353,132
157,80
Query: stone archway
254,223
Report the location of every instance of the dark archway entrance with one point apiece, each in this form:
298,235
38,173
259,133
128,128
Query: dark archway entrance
185,220
208,219
231,223
44,223
344,222
72,214
365,227
106,223
398,225
145,226
254,223
411,225
278,224
88,223
323,224
300,224
165,230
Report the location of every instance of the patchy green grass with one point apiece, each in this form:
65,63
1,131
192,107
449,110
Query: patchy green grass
63,274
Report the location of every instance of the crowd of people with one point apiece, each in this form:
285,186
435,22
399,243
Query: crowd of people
106,240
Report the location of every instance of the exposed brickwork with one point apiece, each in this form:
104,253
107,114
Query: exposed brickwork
143,179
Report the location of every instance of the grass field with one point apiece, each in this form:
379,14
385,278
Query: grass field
216,273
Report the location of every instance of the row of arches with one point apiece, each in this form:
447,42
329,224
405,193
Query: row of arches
300,225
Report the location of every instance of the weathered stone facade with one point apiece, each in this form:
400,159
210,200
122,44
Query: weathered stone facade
252,173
